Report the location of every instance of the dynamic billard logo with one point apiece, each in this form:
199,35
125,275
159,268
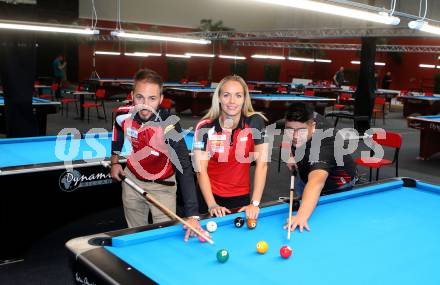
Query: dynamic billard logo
72,179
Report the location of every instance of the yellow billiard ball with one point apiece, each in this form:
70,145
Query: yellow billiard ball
262,247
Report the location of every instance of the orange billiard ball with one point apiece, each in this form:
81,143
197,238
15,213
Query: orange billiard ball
251,223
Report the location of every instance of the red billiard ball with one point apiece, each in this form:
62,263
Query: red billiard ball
251,223
285,251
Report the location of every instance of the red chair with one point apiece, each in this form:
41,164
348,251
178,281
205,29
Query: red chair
129,98
50,96
99,102
282,90
404,92
380,102
184,81
166,104
127,103
343,100
309,92
204,83
393,140
67,101
429,93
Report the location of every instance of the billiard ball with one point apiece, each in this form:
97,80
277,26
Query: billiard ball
251,223
222,255
201,239
239,222
211,226
285,251
262,247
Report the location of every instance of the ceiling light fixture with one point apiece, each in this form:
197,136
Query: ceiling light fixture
107,52
301,59
424,27
232,57
262,56
177,55
427,65
199,54
39,27
314,6
158,37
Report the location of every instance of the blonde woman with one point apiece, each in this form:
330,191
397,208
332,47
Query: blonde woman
227,139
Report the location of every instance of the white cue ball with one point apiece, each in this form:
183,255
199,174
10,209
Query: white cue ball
211,226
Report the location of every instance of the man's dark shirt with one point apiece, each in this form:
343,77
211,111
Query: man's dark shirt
338,175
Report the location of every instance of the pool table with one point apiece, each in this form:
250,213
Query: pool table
269,86
422,105
429,127
112,86
166,85
48,193
41,107
197,99
380,233
274,106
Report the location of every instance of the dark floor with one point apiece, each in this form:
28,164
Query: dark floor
47,261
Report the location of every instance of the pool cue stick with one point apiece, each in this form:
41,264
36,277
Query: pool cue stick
162,207
292,189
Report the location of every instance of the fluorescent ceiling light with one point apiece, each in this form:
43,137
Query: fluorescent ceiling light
38,27
142,54
376,63
199,54
107,52
262,56
424,26
314,6
323,60
177,55
231,57
427,65
301,59
159,37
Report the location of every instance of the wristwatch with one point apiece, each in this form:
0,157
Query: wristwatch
195,218
255,203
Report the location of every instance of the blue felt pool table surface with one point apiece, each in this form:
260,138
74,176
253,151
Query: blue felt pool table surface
432,118
380,234
427,98
56,149
34,100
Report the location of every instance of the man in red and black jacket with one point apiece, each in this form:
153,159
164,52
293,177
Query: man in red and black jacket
159,155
